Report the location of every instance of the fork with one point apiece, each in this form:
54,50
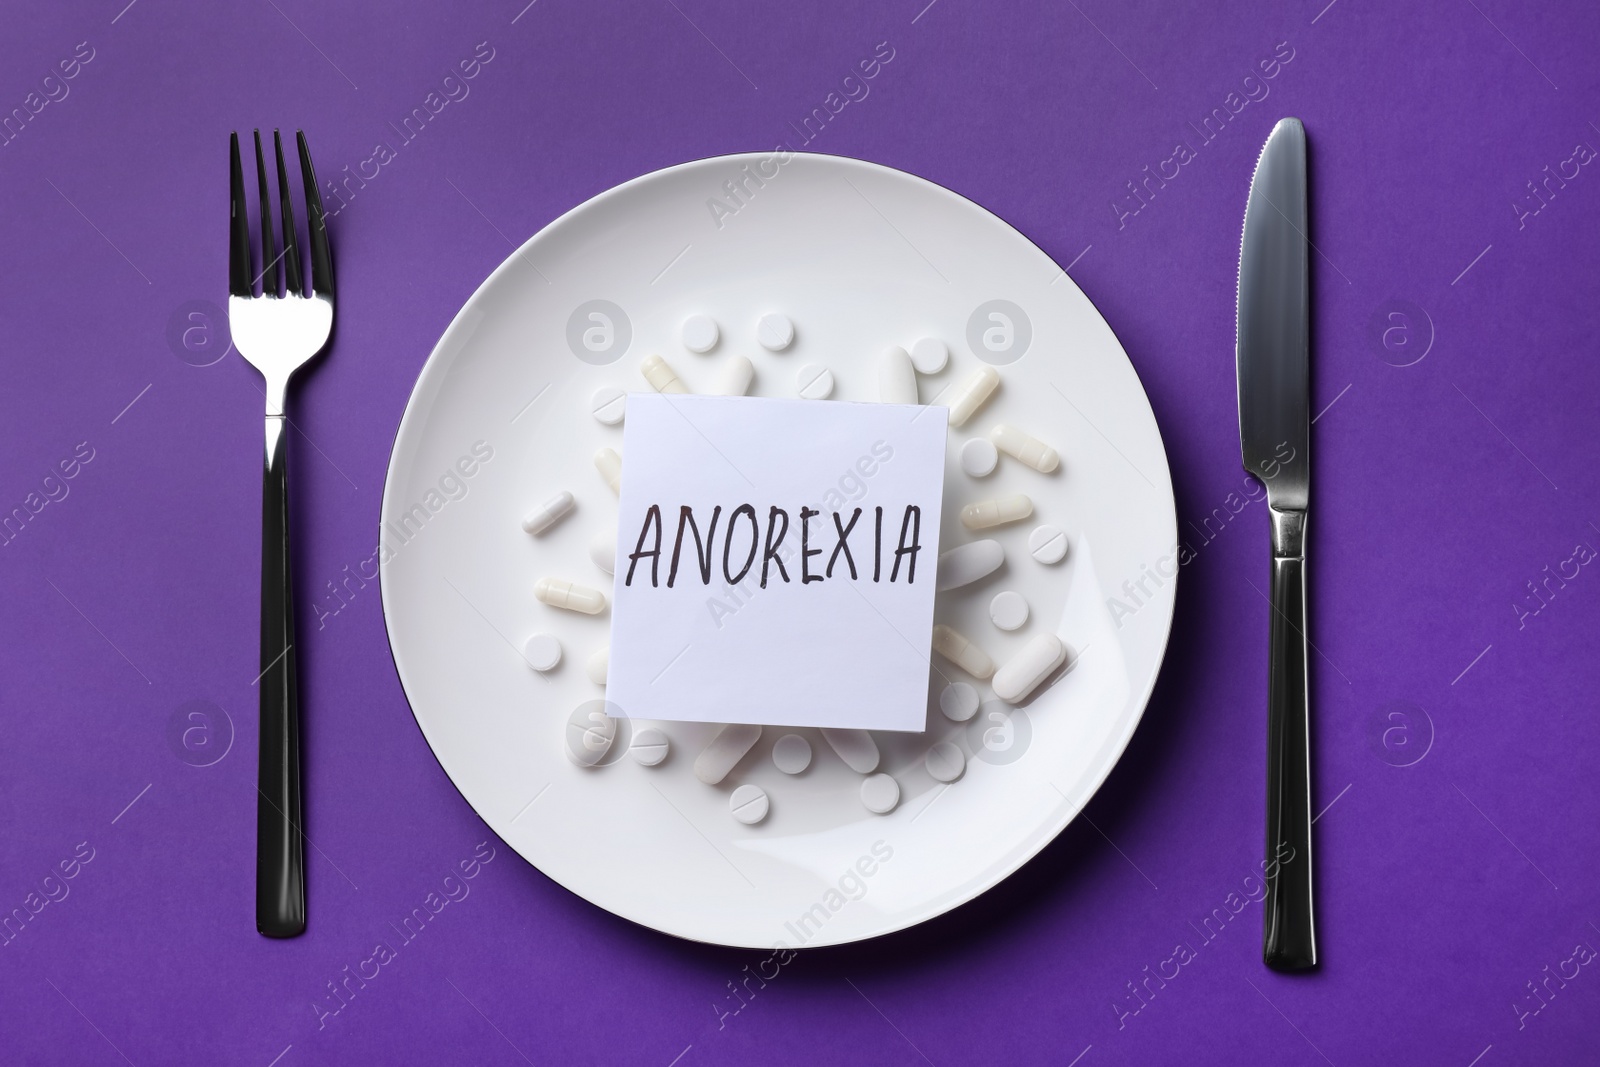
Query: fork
278,334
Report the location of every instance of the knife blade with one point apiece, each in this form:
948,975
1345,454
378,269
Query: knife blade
1275,444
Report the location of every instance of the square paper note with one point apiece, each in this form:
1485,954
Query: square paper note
776,561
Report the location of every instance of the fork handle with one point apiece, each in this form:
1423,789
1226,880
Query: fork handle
1289,941
280,855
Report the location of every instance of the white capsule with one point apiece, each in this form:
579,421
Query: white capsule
791,754
549,513
603,550
880,794
726,749
897,378
1023,672
967,397
979,457
542,651
775,332
650,746
590,734
749,804
1025,447
856,747
597,665
945,761
1008,610
609,464
814,382
929,355
608,404
700,333
965,564
962,652
959,701
1048,544
734,377
563,594
660,375
987,513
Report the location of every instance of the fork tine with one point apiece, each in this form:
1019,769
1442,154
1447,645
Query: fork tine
269,255
293,279
316,224
238,226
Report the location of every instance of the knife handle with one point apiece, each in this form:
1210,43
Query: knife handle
1289,939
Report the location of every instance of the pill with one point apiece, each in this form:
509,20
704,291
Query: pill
963,653
1024,671
958,701
897,378
608,404
775,332
749,804
1008,610
595,668
987,513
979,456
965,564
734,377
548,513
929,355
660,376
856,747
559,593
699,333
814,382
542,652
609,464
945,761
650,746
590,734
880,793
603,550
792,754
726,749
1025,447
967,397
1048,544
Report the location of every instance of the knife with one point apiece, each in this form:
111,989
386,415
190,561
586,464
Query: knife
1275,440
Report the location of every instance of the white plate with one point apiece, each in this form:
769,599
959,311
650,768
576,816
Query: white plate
860,257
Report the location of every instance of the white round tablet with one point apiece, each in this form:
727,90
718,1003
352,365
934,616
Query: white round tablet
608,404
590,733
1008,610
880,793
749,804
959,702
650,746
1048,544
700,333
979,456
929,355
603,550
542,652
775,332
814,382
946,762
791,754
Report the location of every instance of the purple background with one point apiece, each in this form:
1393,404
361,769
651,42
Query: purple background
1443,488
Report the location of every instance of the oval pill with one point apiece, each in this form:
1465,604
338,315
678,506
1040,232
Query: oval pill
929,355
880,794
734,377
549,513
609,464
1023,672
814,382
603,550
1025,447
650,746
968,396
1008,610
856,747
749,804
542,651
1048,544
775,332
965,564
791,754
609,404
559,593
660,375
597,665
897,378
987,513
979,457
590,734
959,701
945,761
700,333
962,652
726,749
